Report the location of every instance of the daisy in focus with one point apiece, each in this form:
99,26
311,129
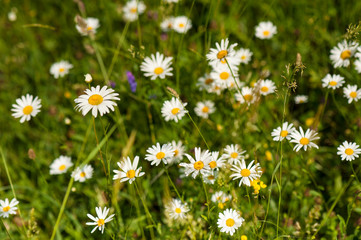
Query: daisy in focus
229,221
157,154
157,66
176,210
223,75
299,99
216,161
341,54
60,69
244,55
90,26
266,87
332,81
352,93
283,132
199,164
247,96
246,173
348,151
304,139
101,219
182,24
132,10
60,165
26,107
82,174
233,153
173,110
97,99
179,150
265,30
203,109
221,52
7,208
129,171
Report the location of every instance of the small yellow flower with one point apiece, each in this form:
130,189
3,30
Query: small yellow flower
309,121
244,237
268,155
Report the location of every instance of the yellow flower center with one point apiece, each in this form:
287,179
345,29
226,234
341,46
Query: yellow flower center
175,111
133,10
62,167
349,151
95,99
100,222
224,75
198,165
345,54
208,81
353,94
131,174
221,205
178,210
7,208
211,177
27,110
304,141
89,28
176,152
266,33
284,133
221,54
61,69
205,109
264,89
245,172
223,61
333,83
248,97
158,70
181,25
243,57
82,174
234,155
229,222
160,155
213,164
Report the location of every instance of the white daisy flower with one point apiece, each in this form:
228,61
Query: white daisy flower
301,99
216,162
7,208
157,66
357,64
283,132
221,197
348,151
167,24
60,165
217,89
332,81
223,75
199,164
133,9
233,153
210,177
26,107
182,24
97,99
266,87
352,93
244,55
205,82
179,150
203,109
129,171
159,153
171,1
92,24
341,54
60,69
229,221
173,110
82,174
265,30
248,96
88,78
101,219
176,210
304,139
246,173
221,52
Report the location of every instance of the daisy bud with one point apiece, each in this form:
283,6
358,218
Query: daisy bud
88,78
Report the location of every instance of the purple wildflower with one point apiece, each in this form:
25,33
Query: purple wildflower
132,82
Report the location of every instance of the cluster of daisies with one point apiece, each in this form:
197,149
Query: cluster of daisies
63,163
180,24
334,81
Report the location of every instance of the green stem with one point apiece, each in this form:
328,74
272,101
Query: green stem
170,180
199,131
6,229
206,193
100,150
100,60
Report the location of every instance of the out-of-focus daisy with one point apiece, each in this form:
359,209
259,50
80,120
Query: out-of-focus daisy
216,162
167,24
129,171
203,109
60,69
223,75
158,153
97,99
60,165
82,174
205,82
221,198
266,87
348,151
217,89
173,110
199,164
133,9
26,107
179,150
357,64
301,99
90,27
12,14
303,139
7,208
352,93
283,132
176,209
157,66
221,52
244,55
210,177
265,30
88,78
341,54
233,153
229,221
248,96
171,1
182,24
246,173
332,81
101,219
